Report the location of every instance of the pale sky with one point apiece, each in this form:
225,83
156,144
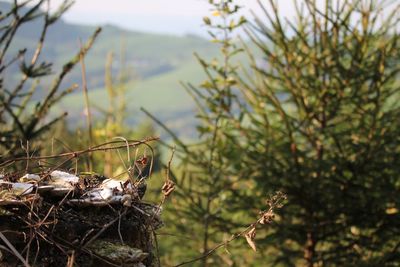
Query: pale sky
161,16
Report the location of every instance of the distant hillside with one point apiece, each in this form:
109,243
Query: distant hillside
157,64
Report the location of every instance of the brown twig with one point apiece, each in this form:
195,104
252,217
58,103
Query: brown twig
168,186
12,248
101,147
71,259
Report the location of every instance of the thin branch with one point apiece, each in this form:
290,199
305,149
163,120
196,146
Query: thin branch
102,147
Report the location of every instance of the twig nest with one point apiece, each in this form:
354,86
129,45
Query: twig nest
60,184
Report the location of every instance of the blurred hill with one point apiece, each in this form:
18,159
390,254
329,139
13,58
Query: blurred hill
155,64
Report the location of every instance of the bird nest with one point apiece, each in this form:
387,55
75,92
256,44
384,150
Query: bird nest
58,218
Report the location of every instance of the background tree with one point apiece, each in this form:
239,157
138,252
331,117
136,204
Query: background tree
314,114
20,121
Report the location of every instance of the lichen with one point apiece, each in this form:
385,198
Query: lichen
120,253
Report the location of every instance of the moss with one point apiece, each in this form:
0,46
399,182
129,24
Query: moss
120,253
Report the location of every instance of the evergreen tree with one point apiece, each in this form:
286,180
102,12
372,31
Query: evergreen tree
314,114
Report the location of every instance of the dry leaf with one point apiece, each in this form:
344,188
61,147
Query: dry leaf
168,188
250,238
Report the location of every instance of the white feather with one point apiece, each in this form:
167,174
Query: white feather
31,177
60,178
19,188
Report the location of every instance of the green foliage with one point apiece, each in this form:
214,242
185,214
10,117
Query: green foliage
205,188
20,123
315,117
